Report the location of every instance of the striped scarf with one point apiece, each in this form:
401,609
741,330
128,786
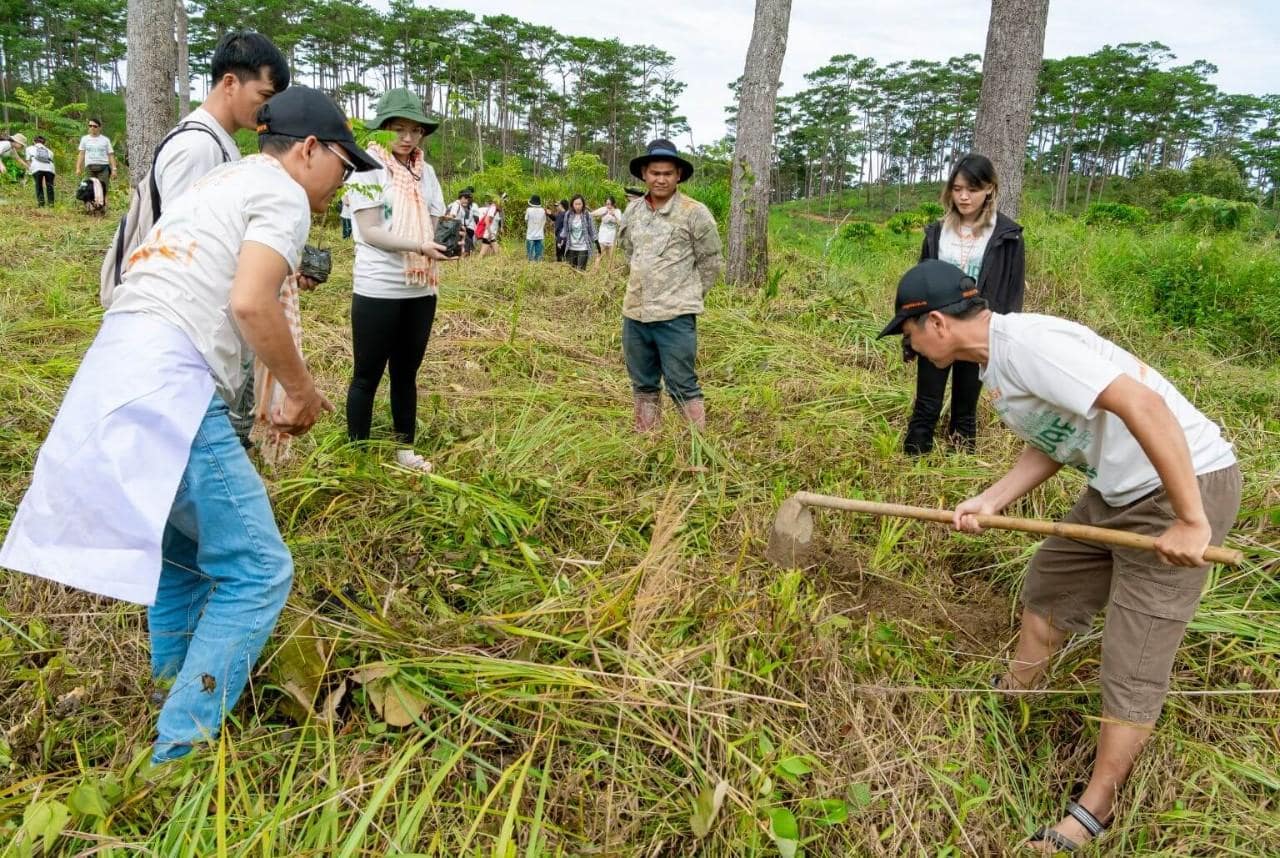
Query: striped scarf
409,216
268,394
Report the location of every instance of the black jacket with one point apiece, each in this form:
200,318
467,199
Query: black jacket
1004,263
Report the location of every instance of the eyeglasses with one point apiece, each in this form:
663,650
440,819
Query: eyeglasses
347,167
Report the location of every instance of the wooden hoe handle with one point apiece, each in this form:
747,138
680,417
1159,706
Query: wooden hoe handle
1085,532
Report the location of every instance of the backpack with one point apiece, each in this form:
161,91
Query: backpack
449,234
40,154
144,211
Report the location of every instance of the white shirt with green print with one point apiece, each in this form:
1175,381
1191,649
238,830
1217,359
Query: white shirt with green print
1044,375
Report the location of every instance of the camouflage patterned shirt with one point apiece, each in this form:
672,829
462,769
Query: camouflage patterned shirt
674,258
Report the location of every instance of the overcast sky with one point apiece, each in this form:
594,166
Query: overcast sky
709,38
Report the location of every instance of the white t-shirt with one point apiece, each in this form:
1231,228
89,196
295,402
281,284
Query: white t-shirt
964,249
190,155
1044,375
96,149
40,158
380,273
182,272
535,219
6,149
468,216
610,221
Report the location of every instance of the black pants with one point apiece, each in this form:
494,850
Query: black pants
577,258
44,185
387,333
559,251
101,172
931,387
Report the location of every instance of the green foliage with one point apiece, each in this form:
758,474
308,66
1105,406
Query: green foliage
904,223
1115,213
931,210
858,231
1212,214
712,194
1217,177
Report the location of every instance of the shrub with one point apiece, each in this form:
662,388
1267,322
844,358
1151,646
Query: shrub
1213,214
931,210
858,231
712,194
906,222
1217,177
1115,213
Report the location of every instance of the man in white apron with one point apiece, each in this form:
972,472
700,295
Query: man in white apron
142,491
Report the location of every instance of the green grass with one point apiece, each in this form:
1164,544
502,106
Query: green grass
577,626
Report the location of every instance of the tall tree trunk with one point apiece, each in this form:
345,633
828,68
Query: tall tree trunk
149,102
1010,68
753,148
184,61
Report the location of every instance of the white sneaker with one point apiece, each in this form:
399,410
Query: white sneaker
412,461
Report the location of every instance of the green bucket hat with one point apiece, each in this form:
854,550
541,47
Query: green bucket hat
402,104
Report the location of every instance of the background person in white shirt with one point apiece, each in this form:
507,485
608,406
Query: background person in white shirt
97,157
11,150
142,491
1155,466
40,159
610,222
396,272
247,70
535,229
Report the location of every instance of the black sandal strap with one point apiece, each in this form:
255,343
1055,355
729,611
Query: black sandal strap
1048,835
1081,814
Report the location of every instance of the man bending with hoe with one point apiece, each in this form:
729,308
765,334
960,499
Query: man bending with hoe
672,248
1155,466
142,491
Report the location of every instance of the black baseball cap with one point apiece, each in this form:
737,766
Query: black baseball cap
932,285
302,112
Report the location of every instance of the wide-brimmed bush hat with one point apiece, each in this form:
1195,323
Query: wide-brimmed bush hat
661,150
402,104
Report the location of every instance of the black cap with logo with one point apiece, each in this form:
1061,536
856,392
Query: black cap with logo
932,285
302,112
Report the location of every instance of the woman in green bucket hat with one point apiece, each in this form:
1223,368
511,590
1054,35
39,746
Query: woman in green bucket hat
394,213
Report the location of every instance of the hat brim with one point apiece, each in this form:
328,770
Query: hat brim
638,165
419,117
895,327
362,159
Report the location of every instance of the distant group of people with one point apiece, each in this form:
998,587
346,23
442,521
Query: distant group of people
95,160
204,291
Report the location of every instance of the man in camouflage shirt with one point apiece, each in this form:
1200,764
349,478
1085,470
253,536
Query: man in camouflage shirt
672,247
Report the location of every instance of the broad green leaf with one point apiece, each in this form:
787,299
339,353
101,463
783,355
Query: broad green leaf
795,766
859,796
87,800
831,811
785,832
44,821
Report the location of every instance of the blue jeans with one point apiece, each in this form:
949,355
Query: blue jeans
662,351
533,249
225,576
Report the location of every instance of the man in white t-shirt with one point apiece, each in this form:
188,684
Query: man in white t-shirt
535,228
247,70
1155,465
142,491
97,157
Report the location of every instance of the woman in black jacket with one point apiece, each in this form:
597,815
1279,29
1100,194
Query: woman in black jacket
988,247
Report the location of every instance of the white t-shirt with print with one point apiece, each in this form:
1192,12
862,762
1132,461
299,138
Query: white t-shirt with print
610,222
182,272
40,158
96,150
380,273
468,214
191,154
535,221
964,249
1044,375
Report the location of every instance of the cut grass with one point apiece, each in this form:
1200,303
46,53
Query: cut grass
584,619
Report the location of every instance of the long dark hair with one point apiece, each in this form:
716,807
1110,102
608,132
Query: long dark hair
577,197
977,172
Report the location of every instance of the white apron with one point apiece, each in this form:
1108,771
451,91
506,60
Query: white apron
108,472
